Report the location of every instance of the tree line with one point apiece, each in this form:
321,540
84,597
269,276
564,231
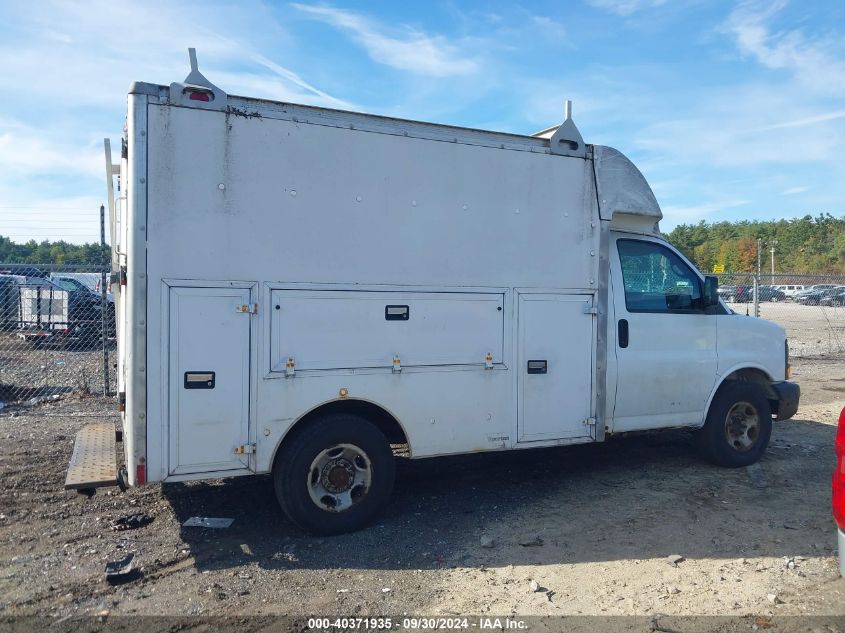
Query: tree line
804,245
47,252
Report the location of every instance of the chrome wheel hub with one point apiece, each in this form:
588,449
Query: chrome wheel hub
339,477
742,426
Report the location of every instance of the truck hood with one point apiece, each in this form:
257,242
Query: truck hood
741,337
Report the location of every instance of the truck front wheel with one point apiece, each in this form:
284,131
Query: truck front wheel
738,426
335,475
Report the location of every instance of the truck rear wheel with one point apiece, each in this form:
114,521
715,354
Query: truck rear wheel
738,426
336,474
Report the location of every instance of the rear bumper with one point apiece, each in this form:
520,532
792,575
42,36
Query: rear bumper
789,394
841,552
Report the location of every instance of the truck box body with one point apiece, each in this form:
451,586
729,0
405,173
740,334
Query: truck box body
322,225
465,290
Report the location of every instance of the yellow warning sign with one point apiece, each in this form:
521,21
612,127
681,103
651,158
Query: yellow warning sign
718,268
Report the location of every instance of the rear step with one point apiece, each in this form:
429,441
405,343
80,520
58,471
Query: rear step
94,460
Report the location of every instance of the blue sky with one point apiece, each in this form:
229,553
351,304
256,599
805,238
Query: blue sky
732,110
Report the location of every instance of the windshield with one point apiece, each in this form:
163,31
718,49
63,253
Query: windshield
70,284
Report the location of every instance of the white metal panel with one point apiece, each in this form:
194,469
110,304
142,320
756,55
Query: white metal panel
291,203
749,342
298,202
209,379
132,338
332,330
557,329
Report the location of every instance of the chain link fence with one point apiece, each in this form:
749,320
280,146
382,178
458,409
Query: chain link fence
57,332
810,307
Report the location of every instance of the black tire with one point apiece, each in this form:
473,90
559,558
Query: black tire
724,441
295,478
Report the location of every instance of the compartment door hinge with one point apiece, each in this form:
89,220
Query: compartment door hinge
245,449
590,309
589,422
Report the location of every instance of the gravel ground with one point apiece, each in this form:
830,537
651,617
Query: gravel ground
28,370
636,526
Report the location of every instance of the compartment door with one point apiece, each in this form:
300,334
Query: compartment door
556,368
209,378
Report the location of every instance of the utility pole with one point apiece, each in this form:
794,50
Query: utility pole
757,278
772,244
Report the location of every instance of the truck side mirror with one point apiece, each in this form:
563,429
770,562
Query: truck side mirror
710,294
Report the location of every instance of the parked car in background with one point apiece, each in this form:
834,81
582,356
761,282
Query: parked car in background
790,290
70,283
815,297
89,281
833,297
74,285
838,486
771,293
812,290
736,294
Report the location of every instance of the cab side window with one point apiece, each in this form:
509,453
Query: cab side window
656,279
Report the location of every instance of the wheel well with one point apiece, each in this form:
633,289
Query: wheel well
380,417
757,376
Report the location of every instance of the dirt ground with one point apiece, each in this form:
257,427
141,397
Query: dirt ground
593,526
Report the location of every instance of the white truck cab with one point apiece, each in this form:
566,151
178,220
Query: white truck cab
300,288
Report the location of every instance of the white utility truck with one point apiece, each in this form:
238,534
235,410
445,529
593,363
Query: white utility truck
302,289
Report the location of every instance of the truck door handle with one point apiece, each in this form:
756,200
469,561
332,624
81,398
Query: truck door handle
538,366
200,379
622,337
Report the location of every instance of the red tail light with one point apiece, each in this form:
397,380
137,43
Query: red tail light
839,474
140,475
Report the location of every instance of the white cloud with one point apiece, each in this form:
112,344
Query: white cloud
109,44
678,214
810,120
409,49
626,7
28,152
741,127
322,97
812,60
793,190
549,27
